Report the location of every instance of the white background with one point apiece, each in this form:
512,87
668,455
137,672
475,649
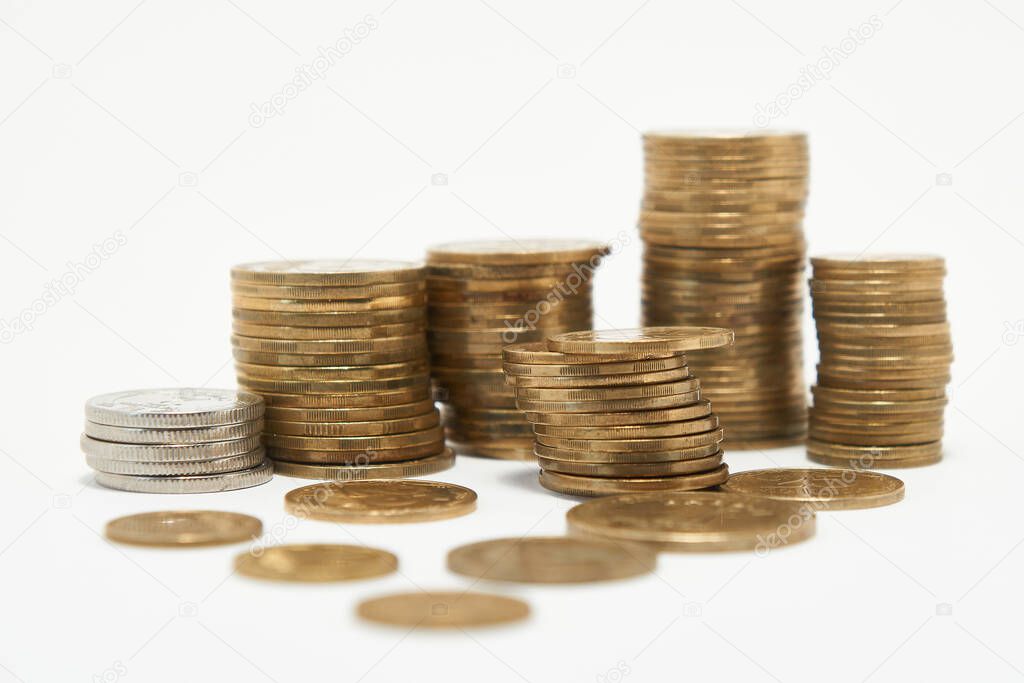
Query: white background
134,118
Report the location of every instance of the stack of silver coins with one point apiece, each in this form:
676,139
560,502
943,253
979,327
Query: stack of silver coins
176,440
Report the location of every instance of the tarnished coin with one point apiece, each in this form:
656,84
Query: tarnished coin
409,468
381,501
698,521
511,252
175,528
829,489
173,408
328,273
315,562
209,483
652,339
575,485
443,610
553,559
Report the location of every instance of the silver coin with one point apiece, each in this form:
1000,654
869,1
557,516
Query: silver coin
172,408
209,483
182,435
110,450
231,463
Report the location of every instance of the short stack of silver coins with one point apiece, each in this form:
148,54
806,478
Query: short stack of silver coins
176,440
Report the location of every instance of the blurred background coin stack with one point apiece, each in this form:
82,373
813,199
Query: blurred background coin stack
885,355
338,351
617,411
721,220
484,296
176,440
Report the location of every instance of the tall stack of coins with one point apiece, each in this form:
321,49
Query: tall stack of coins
337,349
176,440
484,296
722,224
617,411
885,360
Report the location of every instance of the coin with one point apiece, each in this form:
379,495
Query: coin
575,485
652,339
315,562
260,291
232,463
210,483
552,559
381,501
368,428
632,469
181,435
633,445
443,610
610,406
408,468
176,528
538,356
700,408
327,273
167,452
828,489
173,408
517,251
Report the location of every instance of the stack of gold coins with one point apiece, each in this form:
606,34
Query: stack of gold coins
722,225
885,360
617,411
484,296
338,351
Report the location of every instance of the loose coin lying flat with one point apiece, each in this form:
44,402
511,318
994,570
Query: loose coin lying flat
173,408
381,500
316,563
653,339
443,610
699,520
175,528
555,559
830,489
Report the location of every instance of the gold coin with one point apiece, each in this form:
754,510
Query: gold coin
333,373
867,457
330,346
353,457
537,354
827,489
327,273
443,610
381,501
487,449
345,429
638,469
609,406
609,393
183,528
873,263
518,251
393,316
637,431
324,306
374,400
355,443
244,329
697,521
316,562
654,339
633,445
311,292
409,468
260,385
699,408
472,271
596,381
354,415
305,360
551,559
580,370
608,486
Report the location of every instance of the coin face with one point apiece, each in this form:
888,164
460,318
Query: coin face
381,500
831,489
176,528
555,559
443,610
656,339
700,520
316,563
149,408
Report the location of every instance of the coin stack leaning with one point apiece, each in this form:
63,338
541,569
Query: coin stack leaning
618,411
338,351
721,220
484,296
176,440
885,355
